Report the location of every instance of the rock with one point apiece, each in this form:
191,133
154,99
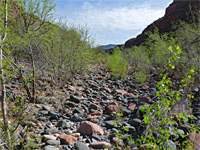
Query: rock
50,147
51,131
97,113
91,117
49,137
45,107
76,135
121,92
89,128
126,112
170,145
144,99
178,10
95,106
75,99
53,142
65,124
70,104
135,122
110,124
67,139
81,146
195,138
98,145
132,106
117,141
113,108
76,118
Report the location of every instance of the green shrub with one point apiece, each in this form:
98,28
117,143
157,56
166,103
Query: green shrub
140,77
117,64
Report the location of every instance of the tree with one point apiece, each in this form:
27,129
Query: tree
32,19
3,35
67,51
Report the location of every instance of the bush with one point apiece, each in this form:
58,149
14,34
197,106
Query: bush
140,77
117,64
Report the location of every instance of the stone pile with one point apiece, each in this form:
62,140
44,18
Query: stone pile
83,117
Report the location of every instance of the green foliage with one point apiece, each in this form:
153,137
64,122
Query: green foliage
117,64
157,116
67,51
140,77
140,58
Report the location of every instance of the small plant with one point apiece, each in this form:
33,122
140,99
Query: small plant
121,134
117,64
140,77
158,120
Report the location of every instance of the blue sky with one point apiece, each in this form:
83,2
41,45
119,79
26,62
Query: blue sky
112,21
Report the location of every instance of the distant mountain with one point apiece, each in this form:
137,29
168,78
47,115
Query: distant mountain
107,47
177,10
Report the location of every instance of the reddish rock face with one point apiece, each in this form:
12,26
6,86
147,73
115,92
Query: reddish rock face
178,10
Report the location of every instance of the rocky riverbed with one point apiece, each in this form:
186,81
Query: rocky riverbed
82,116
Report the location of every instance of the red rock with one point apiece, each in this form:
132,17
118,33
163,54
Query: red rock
144,99
130,95
89,128
95,106
113,108
118,141
107,89
132,106
67,139
145,87
178,10
91,117
97,113
121,92
84,95
195,138
38,123
114,103
72,88
98,145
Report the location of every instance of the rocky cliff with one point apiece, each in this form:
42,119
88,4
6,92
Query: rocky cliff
177,10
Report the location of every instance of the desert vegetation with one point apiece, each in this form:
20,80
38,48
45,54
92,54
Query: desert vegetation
55,85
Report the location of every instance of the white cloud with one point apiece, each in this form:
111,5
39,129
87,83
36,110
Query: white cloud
121,20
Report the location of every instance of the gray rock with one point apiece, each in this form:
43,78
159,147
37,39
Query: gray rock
50,147
53,142
43,112
45,107
126,112
81,146
64,124
110,124
134,122
42,118
74,99
71,104
51,131
170,145
76,118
